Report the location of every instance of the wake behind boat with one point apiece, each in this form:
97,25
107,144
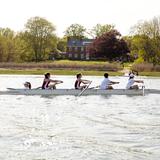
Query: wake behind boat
75,92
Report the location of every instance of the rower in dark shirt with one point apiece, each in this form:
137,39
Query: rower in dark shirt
79,81
46,82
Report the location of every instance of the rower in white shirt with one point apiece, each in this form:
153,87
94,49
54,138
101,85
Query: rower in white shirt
106,83
131,82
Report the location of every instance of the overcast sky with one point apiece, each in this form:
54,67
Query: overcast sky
62,13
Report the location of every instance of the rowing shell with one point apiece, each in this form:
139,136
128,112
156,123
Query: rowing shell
12,91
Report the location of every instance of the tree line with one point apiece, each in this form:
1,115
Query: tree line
39,38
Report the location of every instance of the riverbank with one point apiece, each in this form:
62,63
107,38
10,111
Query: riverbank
68,67
71,72
57,72
65,65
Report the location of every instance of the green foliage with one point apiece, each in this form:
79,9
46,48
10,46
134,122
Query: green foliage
7,45
62,44
99,29
139,60
147,38
75,30
39,38
25,51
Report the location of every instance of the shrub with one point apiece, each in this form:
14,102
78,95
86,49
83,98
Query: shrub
72,65
146,67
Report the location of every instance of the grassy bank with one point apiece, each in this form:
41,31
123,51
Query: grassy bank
71,72
68,67
146,67
65,65
151,74
57,72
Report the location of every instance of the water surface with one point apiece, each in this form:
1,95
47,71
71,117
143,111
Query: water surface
78,128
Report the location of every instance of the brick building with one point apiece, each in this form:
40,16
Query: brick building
78,48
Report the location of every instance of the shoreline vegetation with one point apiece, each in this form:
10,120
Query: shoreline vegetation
68,67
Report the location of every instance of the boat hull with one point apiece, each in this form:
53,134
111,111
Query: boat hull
77,92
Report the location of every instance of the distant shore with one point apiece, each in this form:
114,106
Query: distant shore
70,72
67,67
56,72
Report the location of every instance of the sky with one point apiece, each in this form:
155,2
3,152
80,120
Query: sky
62,13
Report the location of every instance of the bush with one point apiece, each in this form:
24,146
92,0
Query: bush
64,65
146,67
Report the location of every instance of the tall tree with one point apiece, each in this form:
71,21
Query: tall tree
75,30
7,45
110,46
40,36
62,44
149,33
100,29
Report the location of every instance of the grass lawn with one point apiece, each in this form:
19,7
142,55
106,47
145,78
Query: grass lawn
152,74
68,67
78,62
64,65
57,72
61,62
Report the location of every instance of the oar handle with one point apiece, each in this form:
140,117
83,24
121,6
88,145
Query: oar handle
84,89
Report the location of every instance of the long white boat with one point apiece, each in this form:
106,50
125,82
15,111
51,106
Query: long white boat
12,91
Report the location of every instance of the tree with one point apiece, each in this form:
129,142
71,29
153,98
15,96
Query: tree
75,30
62,44
7,45
99,29
110,46
40,37
149,33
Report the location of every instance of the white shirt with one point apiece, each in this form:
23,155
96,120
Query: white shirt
105,83
130,83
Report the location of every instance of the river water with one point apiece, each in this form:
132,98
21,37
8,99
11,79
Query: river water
116,127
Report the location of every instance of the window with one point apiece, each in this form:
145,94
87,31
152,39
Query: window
73,49
75,55
82,49
70,55
87,56
76,48
70,49
82,56
79,49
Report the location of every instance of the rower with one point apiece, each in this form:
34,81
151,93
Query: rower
131,81
106,83
27,85
46,82
134,72
78,82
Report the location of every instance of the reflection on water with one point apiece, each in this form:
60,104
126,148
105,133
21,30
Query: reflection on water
81,128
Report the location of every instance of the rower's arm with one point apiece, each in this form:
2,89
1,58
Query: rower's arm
138,81
85,81
114,82
56,81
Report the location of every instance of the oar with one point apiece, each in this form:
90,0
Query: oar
94,87
143,87
37,88
84,89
